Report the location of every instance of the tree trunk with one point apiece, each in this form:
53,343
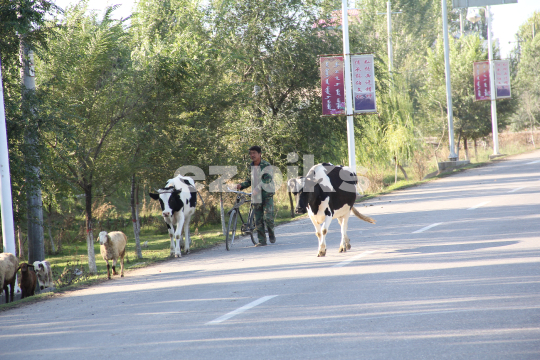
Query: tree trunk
36,248
134,217
475,150
20,241
403,171
49,228
395,172
466,148
222,212
458,140
89,231
292,204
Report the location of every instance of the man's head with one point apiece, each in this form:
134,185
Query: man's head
255,154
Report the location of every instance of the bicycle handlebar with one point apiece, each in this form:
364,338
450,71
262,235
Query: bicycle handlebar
239,192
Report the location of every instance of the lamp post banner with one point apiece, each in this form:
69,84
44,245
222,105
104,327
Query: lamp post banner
333,85
502,79
481,81
363,78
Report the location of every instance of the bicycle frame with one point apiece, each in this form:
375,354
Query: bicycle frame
246,227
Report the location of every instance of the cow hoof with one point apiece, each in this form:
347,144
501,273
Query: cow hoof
348,246
176,256
122,275
342,249
187,251
321,253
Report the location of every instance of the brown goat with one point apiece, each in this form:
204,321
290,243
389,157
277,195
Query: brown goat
28,280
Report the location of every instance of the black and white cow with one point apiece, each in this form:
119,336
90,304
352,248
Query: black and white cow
178,199
327,192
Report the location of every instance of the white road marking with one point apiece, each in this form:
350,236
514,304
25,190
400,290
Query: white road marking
477,206
355,257
533,162
519,188
426,228
241,310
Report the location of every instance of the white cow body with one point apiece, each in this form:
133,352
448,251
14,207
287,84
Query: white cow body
177,215
332,196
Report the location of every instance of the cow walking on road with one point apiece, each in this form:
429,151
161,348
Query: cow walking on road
327,192
178,200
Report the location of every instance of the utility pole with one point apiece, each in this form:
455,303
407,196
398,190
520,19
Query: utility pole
494,125
452,156
388,14
348,85
6,202
36,251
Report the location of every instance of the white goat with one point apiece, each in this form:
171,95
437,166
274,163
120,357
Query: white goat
113,247
9,265
44,274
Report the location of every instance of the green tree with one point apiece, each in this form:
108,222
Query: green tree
527,87
86,85
22,20
472,119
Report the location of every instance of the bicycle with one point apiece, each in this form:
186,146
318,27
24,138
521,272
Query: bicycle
247,227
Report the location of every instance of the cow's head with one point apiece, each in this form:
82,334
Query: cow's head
308,195
169,199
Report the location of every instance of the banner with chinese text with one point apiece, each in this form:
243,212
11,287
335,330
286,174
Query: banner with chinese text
481,81
333,85
502,79
363,81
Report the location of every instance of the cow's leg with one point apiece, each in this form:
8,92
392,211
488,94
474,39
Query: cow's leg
324,231
186,234
317,232
170,229
345,242
178,234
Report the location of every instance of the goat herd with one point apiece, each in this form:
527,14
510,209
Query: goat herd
112,247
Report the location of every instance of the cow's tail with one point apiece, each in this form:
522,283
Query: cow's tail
362,217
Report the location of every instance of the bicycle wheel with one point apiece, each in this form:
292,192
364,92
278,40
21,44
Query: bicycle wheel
251,225
231,230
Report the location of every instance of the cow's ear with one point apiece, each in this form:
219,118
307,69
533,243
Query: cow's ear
177,191
154,196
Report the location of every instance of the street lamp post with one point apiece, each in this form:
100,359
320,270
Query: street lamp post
452,156
388,14
494,126
348,85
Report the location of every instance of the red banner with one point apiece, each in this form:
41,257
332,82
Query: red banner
481,81
333,85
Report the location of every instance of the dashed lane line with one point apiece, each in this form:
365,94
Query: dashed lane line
240,310
426,228
517,189
533,162
479,205
356,257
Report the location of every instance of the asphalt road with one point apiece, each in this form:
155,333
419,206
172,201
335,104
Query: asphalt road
451,270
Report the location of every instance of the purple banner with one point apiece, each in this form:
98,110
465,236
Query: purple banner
333,85
363,78
481,81
502,79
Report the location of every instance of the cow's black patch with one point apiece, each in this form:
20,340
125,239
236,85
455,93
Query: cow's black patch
327,212
175,203
344,193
